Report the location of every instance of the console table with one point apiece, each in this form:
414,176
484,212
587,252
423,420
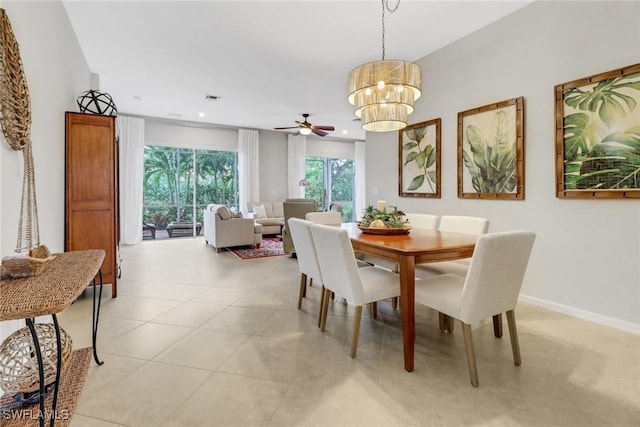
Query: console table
59,284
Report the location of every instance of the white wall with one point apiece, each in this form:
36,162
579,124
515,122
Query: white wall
56,73
586,259
184,134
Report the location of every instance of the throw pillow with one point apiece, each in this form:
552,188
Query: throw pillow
223,212
237,215
260,211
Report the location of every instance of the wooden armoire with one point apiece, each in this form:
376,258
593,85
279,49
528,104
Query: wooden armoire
91,189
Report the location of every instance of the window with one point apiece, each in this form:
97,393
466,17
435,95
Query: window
180,182
331,184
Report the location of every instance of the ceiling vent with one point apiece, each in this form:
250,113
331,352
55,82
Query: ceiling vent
212,97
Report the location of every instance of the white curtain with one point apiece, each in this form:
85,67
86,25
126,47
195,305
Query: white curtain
248,168
361,188
131,142
297,153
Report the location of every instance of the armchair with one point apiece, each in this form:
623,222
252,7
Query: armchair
222,229
294,208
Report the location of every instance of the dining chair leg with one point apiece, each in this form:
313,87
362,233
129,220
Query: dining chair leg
303,287
450,324
513,334
442,321
325,309
356,331
394,303
497,325
471,355
321,305
373,309
311,282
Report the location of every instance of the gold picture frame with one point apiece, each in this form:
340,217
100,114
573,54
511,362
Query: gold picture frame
598,135
491,151
419,160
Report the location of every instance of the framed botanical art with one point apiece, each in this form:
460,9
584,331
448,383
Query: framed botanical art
598,135
491,151
419,160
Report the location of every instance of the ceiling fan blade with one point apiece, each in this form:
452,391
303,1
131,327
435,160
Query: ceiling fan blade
318,132
322,127
292,127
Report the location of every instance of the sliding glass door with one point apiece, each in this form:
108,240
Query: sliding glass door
331,183
180,182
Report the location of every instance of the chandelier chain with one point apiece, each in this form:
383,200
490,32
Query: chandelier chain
386,8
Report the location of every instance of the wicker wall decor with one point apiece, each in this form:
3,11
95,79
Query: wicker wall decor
18,363
15,119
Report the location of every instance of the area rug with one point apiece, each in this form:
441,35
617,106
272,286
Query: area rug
270,246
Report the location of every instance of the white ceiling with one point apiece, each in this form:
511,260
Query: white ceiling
270,61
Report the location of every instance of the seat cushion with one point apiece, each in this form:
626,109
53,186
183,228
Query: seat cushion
442,293
270,221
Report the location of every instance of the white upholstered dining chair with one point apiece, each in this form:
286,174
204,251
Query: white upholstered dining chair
456,224
307,258
327,218
420,220
490,287
340,274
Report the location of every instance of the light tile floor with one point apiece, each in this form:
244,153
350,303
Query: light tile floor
197,338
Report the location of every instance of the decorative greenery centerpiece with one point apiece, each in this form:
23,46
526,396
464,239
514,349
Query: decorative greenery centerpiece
374,218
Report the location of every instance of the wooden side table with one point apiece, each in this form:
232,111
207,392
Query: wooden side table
54,289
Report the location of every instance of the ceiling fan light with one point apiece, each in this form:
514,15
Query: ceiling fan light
305,131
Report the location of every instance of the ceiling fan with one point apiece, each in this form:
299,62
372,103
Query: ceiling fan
306,128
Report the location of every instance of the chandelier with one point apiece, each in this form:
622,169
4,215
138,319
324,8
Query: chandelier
384,92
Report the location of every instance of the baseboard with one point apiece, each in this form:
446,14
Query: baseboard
583,314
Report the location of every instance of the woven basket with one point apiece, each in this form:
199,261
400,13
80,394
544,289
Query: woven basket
16,267
19,363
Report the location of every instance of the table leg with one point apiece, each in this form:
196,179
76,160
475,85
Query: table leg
497,325
96,317
54,402
36,344
407,307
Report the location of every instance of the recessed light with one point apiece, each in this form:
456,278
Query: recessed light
137,97
200,114
344,132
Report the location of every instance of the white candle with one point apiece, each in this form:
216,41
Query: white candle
382,205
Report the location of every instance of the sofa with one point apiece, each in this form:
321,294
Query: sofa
272,219
223,229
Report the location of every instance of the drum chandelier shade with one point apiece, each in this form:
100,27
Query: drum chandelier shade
384,92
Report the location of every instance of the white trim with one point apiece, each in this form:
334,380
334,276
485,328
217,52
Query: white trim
583,314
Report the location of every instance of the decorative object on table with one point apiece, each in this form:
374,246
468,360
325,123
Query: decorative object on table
15,119
598,135
419,160
384,92
18,363
491,151
96,102
383,221
16,267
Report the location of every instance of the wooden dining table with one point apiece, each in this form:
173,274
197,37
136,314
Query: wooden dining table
419,246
